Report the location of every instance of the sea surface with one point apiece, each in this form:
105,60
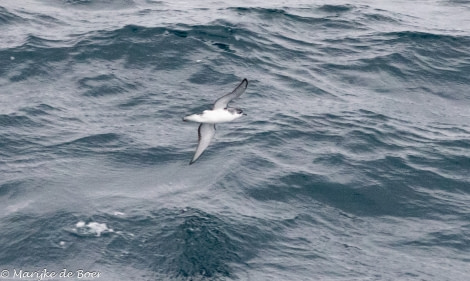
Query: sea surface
352,163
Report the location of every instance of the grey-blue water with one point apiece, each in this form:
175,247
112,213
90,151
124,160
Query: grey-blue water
353,162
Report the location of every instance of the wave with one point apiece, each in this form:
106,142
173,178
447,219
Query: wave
175,243
411,57
7,17
356,120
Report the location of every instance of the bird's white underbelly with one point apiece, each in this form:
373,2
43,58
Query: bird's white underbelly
213,116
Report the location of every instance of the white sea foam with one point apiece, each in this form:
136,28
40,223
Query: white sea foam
93,228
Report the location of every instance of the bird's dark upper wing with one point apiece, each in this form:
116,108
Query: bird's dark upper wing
239,90
206,132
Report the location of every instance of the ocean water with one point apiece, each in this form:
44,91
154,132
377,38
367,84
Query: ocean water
353,162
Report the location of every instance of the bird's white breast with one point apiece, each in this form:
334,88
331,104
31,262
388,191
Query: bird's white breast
213,116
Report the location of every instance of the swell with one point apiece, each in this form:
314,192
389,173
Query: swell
97,5
412,57
416,59
7,17
422,56
174,48
362,162
20,135
173,243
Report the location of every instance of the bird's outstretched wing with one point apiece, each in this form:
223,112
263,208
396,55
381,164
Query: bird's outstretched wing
206,132
239,90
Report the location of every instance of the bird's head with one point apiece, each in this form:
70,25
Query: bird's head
236,111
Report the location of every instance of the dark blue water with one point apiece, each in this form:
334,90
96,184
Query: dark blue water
353,162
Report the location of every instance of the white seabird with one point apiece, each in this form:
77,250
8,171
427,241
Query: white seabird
220,113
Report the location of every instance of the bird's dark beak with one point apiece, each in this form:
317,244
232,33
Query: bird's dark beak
245,114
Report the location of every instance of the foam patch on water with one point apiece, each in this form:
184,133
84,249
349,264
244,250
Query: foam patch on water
92,228
80,224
